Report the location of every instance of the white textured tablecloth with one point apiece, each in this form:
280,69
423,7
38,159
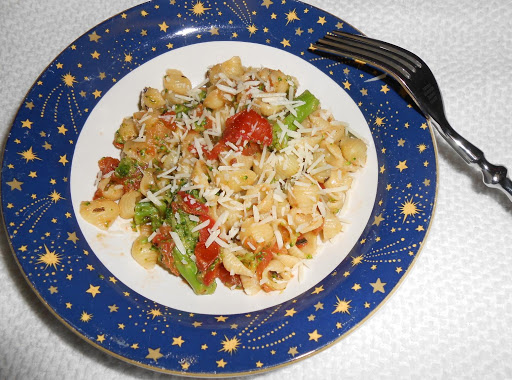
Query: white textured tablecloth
451,317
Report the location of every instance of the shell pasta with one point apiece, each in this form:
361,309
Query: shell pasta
236,180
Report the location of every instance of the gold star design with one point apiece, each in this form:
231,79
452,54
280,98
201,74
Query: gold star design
85,317
426,182
321,20
214,31
50,258
155,313
346,85
29,155
154,354
53,289
342,306
384,88
185,366
72,236
273,16
378,286
121,326
177,341
95,55
291,16
234,35
298,31
93,290
339,325
94,37
356,287
100,338
357,260
401,142
15,184
27,124
96,94
102,75
364,92
402,165
380,121
366,305
422,148
230,345
389,187
339,25
143,13
198,9
398,269
252,29
68,305
221,318
285,42
135,346
424,126
62,129
89,267
382,169
59,65
319,306
378,219
420,228
163,27
234,326
197,324
314,336
290,312
69,277
267,3
259,364
318,289
29,105
32,174
311,318
113,308
204,347
293,351
112,279
221,363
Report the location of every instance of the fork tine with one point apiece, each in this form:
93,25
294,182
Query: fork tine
361,43
378,44
375,59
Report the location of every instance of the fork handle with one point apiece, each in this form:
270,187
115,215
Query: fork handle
494,176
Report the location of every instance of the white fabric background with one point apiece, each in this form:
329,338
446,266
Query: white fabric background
452,316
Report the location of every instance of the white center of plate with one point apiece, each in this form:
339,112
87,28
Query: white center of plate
95,141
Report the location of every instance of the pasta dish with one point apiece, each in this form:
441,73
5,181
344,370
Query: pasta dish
238,178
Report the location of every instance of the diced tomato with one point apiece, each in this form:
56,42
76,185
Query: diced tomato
249,126
227,279
301,241
205,256
241,127
167,259
190,205
167,120
264,258
222,273
108,164
163,233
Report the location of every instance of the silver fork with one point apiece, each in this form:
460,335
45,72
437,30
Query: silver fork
419,82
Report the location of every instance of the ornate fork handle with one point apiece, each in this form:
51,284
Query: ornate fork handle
494,176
